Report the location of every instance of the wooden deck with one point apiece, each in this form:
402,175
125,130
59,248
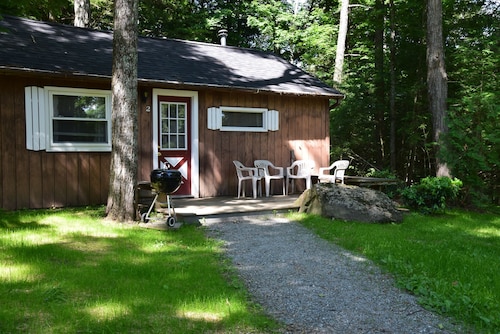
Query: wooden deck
192,210
189,209
369,181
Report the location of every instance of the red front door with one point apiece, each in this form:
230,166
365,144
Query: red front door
174,151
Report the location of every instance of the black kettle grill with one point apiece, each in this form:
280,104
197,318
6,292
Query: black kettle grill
164,181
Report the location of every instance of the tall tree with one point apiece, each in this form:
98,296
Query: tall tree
392,94
339,56
379,79
82,13
123,172
437,81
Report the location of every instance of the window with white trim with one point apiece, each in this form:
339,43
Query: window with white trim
68,119
242,119
173,131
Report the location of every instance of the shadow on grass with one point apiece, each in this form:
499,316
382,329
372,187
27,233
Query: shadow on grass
12,220
30,219
478,228
120,280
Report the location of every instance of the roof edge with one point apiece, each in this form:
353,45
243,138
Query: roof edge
244,89
78,75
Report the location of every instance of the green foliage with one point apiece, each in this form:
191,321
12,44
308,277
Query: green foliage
393,190
174,19
101,14
472,52
233,16
445,260
474,147
314,31
473,150
273,21
385,174
432,194
361,123
47,10
303,37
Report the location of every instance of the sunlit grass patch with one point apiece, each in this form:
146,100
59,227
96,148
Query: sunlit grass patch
201,315
487,232
108,310
71,271
14,272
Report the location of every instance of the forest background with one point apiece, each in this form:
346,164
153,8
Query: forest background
384,123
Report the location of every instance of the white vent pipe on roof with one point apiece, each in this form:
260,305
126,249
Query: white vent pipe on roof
223,36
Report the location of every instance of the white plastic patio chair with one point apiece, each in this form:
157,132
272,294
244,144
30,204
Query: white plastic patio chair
339,167
300,169
270,172
247,173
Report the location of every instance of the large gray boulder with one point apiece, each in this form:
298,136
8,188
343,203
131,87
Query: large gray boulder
349,203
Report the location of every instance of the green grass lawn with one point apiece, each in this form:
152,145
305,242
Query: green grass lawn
451,261
69,271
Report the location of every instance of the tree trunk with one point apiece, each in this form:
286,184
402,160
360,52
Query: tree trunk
392,98
339,56
82,13
380,90
437,86
123,173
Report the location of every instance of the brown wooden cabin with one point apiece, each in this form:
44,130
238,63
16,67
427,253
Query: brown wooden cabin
201,106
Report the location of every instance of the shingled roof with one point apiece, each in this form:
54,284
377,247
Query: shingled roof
36,46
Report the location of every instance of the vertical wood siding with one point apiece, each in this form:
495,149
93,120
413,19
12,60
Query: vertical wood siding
304,129
145,135
40,179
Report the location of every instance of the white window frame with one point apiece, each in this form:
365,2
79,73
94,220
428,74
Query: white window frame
185,119
40,115
195,144
270,119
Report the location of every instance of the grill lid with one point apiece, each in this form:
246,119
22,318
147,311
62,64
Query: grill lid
166,180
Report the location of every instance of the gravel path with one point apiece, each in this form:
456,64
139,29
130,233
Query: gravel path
313,286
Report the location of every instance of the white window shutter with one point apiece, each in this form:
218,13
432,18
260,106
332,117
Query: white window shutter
272,120
42,119
34,98
211,118
214,121
219,118
28,107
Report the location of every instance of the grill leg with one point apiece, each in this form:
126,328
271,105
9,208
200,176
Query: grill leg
170,205
146,217
171,220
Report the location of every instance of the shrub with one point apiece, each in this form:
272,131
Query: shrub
431,194
385,174
392,190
